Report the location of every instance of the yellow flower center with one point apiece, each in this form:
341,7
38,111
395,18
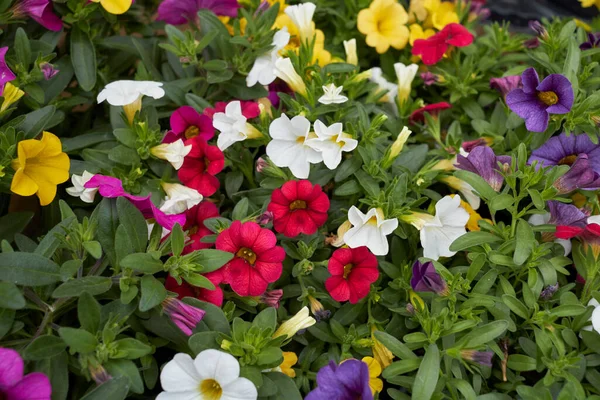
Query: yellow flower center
210,389
568,160
247,255
548,98
301,139
347,270
372,220
298,204
191,131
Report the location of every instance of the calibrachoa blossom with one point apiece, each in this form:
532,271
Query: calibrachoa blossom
536,101
483,161
232,126
369,230
15,386
479,357
433,48
41,11
384,84
384,24
263,70
406,75
115,6
174,152
250,109
298,207
565,149
184,316
211,375
426,279
349,380
48,70
79,190
375,384
187,123
589,234
592,42
581,175
200,167
595,317
506,84
179,198
352,273
6,74
129,94
332,95
284,70
433,109
331,142
195,218
257,259
448,224
302,15
177,12
350,49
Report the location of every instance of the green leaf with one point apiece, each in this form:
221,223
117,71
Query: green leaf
28,269
7,318
79,340
83,57
520,362
215,65
94,285
57,369
568,310
52,240
367,182
286,388
36,121
398,348
401,367
153,293
267,318
525,241
13,223
427,375
93,248
483,334
106,213
479,184
113,389
177,241
11,297
516,306
212,259
240,211
130,349
471,239
204,340
214,319
501,202
89,312
45,346
128,370
23,48
134,222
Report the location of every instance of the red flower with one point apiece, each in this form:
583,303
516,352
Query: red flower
352,273
195,217
186,290
200,166
433,109
250,109
298,207
257,259
433,48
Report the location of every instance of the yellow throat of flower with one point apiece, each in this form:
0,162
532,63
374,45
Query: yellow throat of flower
548,98
210,389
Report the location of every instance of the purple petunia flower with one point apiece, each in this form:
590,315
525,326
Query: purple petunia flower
483,162
506,84
39,10
426,279
592,42
187,123
479,357
15,386
580,176
184,316
566,214
347,381
536,101
275,88
111,187
564,150
177,12
6,74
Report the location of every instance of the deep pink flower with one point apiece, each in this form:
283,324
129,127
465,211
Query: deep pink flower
250,109
186,317
39,10
352,273
6,75
195,218
200,167
177,12
433,109
15,386
187,123
433,48
48,70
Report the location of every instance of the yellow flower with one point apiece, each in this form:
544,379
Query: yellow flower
289,360
320,55
589,3
350,48
417,11
282,5
443,15
384,24
474,216
375,383
381,353
40,166
225,20
115,6
583,25
12,94
417,32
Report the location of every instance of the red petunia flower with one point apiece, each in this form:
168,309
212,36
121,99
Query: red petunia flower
250,109
195,218
186,290
257,259
187,123
298,207
433,48
200,167
433,109
352,273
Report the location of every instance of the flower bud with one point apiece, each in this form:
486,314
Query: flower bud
271,297
11,95
98,373
350,48
48,70
479,357
318,310
183,315
300,321
264,218
396,147
285,71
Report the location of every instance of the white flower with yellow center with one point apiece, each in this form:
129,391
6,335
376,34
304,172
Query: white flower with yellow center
179,198
331,142
332,95
406,75
232,126
448,224
78,190
172,152
263,70
301,320
213,375
302,16
128,94
369,230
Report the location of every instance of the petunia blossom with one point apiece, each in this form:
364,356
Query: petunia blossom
195,226
41,11
595,317
174,152
506,84
263,69
16,386
184,316
433,48
200,167
301,320
179,198
434,109
352,273
177,12
250,109
483,161
406,75
369,230
349,380
332,95
187,123
232,126
331,142
78,189
448,224
384,85
426,279
581,175
6,74
564,150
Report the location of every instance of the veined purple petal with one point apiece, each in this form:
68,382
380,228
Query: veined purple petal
560,85
566,214
506,84
580,176
530,80
522,103
558,149
483,162
177,12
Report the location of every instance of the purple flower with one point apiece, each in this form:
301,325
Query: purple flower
275,88
566,214
48,70
580,176
39,10
187,123
426,279
177,12
538,28
271,297
6,74
15,386
479,357
564,150
549,291
532,43
536,101
264,218
429,78
111,187
347,381
592,42
183,315
506,84
483,162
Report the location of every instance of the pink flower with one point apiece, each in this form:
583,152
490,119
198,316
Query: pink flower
272,297
6,74
352,273
177,12
200,167
187,123
15,386
39,10
48,70
250,109
183,315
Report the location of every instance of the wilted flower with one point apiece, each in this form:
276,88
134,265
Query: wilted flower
264,218
426,279
429,78
539,29
317,309
48,70
483,161
261,164
290,327
382,354
183,315
506,84
98,373
581,175
11,95
480,357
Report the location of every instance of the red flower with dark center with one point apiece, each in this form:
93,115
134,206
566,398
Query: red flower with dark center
433,48
257,259
433,109
298,207
195,217
187,123
186,290
200,167
352,273
250,109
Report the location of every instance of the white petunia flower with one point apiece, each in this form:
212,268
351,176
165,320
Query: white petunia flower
263,70
369,230
543,219
301,320
331,142
350,48
284,70
78,190
595,318
232,126
212,375
122,93
448,224
406,75
332,95
172,152
391,88
179,198
465,189
302,16
289,148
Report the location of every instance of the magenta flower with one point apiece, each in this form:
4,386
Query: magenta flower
6,74
506,84
580,176
349,380
429,78
564,150
15,386
426,279
471,144
187,123
177,12
536,101
48,70
39,10
483,162
183,315
111,187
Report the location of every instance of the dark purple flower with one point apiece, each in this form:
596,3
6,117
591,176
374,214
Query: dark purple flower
506,84
39,10
536,101
177,12
48,70
549,291
275,88
580,176
479,357
483,162
429,78
532,43
16,386
539,29
426,279
564,150
6,74
347,381
187,123
566,214
592,42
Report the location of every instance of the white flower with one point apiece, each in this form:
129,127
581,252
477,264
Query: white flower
448,224
179,198
122,93
391,88
263,70
369,230
233,126
285,71
212,375
350,48
289,148
543,219
78,189
465,189
333,95
302,16
595,318
172,152
331,142
301,320
406,75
